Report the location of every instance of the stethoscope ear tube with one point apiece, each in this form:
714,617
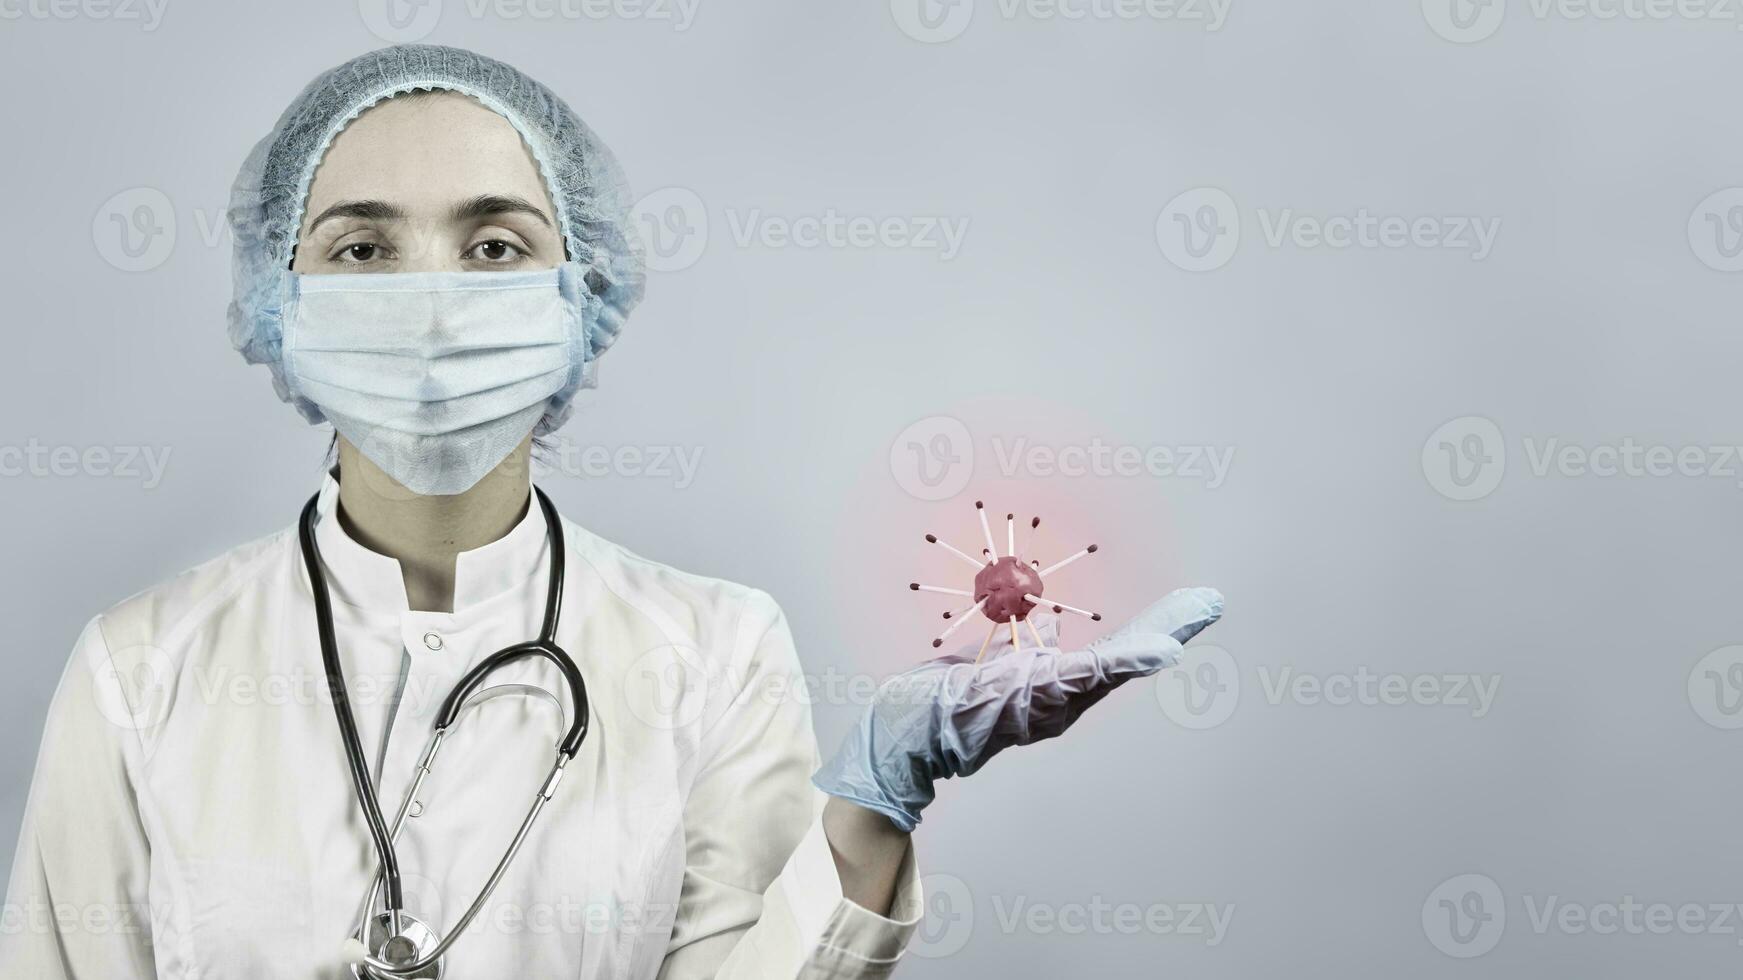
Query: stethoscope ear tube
578,714
545,646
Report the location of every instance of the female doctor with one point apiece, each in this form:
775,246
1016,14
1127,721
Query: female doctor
432,251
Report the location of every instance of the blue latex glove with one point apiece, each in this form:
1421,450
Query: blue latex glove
948,716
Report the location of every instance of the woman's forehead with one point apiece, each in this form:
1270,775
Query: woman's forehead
424,154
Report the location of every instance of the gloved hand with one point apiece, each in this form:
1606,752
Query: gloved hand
948,716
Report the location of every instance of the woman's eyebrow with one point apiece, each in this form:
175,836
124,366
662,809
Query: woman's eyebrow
485,205
368,210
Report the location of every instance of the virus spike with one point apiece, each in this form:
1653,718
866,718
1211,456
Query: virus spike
917,587
1035,633
1062,607
1011,535
986,529
933,539
1016,641
984,643
952,615
1056,566
953,627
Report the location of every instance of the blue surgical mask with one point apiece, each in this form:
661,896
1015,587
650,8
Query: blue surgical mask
435,377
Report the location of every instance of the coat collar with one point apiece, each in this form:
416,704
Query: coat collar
373,581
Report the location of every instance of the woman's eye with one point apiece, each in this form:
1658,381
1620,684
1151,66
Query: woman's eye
361,252
495,251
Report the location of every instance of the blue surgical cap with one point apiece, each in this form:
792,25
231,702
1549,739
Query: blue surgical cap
591,197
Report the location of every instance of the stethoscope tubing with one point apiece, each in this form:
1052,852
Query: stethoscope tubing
388,874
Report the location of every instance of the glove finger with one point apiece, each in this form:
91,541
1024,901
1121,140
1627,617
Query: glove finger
1182,614
1151,641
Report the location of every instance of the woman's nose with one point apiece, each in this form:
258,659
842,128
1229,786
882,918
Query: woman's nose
430,248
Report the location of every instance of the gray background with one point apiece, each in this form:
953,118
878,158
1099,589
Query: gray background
1601,771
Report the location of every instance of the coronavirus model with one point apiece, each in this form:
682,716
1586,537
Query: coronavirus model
1006,587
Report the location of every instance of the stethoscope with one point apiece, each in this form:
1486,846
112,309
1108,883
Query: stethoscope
392,943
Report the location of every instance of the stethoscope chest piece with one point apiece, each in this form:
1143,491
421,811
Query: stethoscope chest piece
414,941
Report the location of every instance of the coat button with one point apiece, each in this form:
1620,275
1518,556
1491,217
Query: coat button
433,641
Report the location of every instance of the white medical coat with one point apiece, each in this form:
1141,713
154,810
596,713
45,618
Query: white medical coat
191,815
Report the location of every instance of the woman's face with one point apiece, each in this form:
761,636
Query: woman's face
432,183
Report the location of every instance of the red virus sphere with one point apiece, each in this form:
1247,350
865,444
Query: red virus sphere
1006,588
